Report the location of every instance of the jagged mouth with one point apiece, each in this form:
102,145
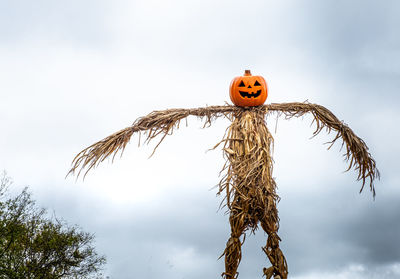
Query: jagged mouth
250,95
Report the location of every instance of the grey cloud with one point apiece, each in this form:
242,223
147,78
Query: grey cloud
376,230
152,239
348,38
333,228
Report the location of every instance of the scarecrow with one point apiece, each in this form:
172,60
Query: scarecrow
247,184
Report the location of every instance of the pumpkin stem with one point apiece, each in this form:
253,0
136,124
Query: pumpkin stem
247,73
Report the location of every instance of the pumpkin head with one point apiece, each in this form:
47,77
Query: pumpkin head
248,90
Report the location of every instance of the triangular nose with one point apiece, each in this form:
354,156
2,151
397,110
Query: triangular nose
249,86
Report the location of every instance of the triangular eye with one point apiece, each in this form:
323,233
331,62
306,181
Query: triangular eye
257,83
241,84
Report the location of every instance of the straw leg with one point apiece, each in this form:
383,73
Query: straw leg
233,252
279,266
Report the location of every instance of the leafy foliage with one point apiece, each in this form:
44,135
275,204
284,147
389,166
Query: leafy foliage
33,245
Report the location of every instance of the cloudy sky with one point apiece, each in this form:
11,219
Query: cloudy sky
73,72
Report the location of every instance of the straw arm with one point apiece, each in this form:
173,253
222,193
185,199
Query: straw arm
157,122
357,153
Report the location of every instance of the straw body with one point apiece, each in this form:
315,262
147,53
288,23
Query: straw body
250,190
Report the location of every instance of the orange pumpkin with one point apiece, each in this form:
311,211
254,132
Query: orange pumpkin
248,90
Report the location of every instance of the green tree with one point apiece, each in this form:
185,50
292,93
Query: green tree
33,245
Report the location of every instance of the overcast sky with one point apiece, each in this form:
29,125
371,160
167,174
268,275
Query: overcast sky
73,72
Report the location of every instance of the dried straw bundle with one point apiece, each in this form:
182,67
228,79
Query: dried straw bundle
154,124
357,153
250,189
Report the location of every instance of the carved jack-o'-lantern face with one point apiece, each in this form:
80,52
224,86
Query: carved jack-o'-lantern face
248,90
